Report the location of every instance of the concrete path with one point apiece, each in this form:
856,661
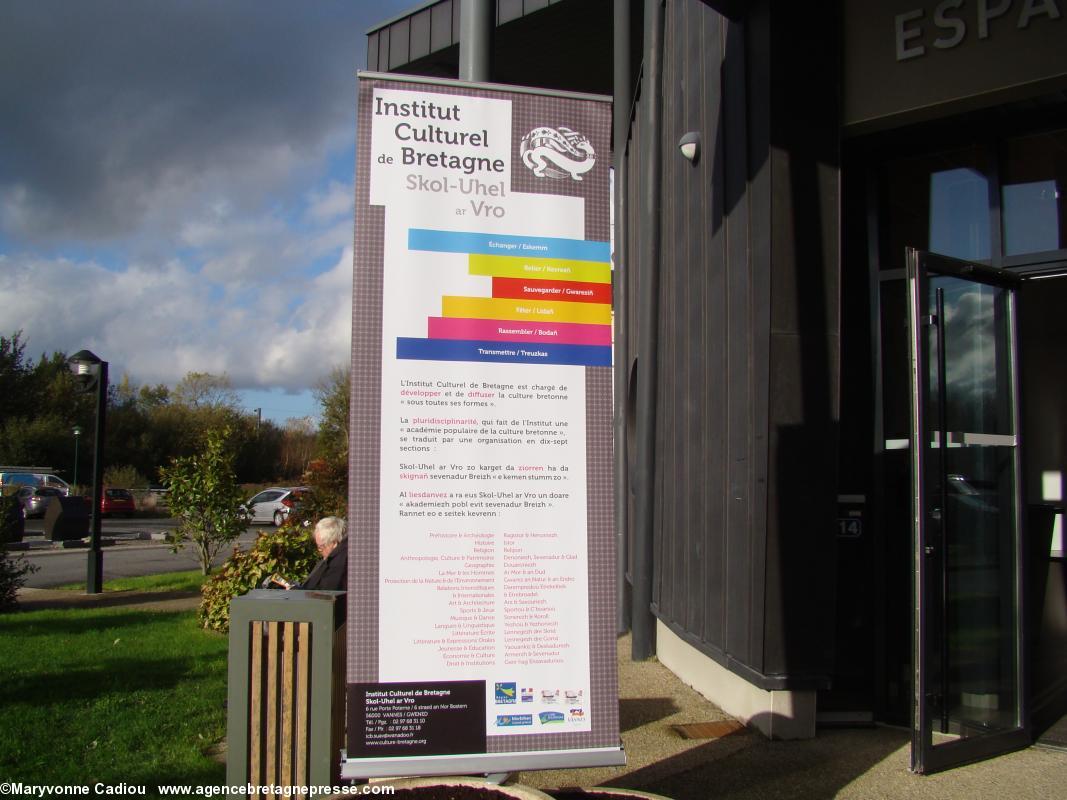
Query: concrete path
850,764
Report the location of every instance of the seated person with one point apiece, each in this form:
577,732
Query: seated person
332,571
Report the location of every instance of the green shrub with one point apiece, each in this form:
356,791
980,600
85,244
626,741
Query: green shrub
204,496
288,552
11,522
13,572
328,481
125,477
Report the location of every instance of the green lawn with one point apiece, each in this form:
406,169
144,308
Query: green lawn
190,581
110,695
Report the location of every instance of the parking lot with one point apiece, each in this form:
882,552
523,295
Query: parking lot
132,547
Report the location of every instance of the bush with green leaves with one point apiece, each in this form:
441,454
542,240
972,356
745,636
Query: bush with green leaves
288,552
13,570
328,481
125,477
11,520
204,495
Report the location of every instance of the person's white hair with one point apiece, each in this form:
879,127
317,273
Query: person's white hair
329,531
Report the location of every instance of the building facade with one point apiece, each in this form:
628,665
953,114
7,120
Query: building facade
840,439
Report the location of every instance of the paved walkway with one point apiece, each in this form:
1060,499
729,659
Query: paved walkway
852,764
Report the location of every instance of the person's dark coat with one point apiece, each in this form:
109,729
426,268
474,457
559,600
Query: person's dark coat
332,571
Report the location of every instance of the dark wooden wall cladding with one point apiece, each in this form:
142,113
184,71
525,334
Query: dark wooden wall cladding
747,376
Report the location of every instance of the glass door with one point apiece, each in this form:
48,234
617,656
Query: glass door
966,513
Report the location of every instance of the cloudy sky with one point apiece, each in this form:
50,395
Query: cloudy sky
176,185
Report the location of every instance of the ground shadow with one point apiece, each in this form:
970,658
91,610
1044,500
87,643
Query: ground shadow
110,676
747,766
638,711
103,600
28,628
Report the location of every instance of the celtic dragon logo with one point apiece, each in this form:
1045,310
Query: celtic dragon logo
557,153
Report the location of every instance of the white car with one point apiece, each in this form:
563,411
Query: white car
54,482
44,479
273,505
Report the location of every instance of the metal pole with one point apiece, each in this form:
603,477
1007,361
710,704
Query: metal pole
77,436
94,582
643,643
476,24
623,98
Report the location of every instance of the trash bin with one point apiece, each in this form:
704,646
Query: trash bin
12,520
286,690
66,518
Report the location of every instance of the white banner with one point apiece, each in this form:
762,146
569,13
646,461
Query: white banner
481,372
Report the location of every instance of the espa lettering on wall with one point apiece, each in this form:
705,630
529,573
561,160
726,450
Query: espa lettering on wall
951,19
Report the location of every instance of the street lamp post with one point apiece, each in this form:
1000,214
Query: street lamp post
77,436
91,372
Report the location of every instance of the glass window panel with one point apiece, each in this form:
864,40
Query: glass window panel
959,214
938,202
976,355
896,393
1034,210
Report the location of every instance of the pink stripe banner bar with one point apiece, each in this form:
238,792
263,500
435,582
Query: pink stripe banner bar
492,330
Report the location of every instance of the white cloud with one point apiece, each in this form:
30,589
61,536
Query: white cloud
160,109
175,197
334,202
158,322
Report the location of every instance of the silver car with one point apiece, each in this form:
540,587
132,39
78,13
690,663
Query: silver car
273,505
35,499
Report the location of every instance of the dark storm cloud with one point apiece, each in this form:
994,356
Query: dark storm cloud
110,107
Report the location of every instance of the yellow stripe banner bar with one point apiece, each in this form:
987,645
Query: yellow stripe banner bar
556,269
542,310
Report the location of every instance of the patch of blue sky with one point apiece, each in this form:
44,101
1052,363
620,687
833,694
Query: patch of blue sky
278,405
111,258
323,263
342,164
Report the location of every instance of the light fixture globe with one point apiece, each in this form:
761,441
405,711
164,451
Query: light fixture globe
689,145
85,365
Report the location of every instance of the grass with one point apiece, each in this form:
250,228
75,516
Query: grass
189,581
110,695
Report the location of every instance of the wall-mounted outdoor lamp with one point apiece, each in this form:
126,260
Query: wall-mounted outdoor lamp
90,372
689,144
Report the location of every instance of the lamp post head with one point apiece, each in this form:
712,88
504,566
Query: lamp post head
86,368
77,431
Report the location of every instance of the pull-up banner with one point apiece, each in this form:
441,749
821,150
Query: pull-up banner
481,620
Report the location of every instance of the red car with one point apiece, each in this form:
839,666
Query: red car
117,501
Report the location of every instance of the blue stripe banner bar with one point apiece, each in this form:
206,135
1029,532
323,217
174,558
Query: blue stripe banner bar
506,245
503,352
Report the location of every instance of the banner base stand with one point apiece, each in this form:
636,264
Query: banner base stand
480,763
